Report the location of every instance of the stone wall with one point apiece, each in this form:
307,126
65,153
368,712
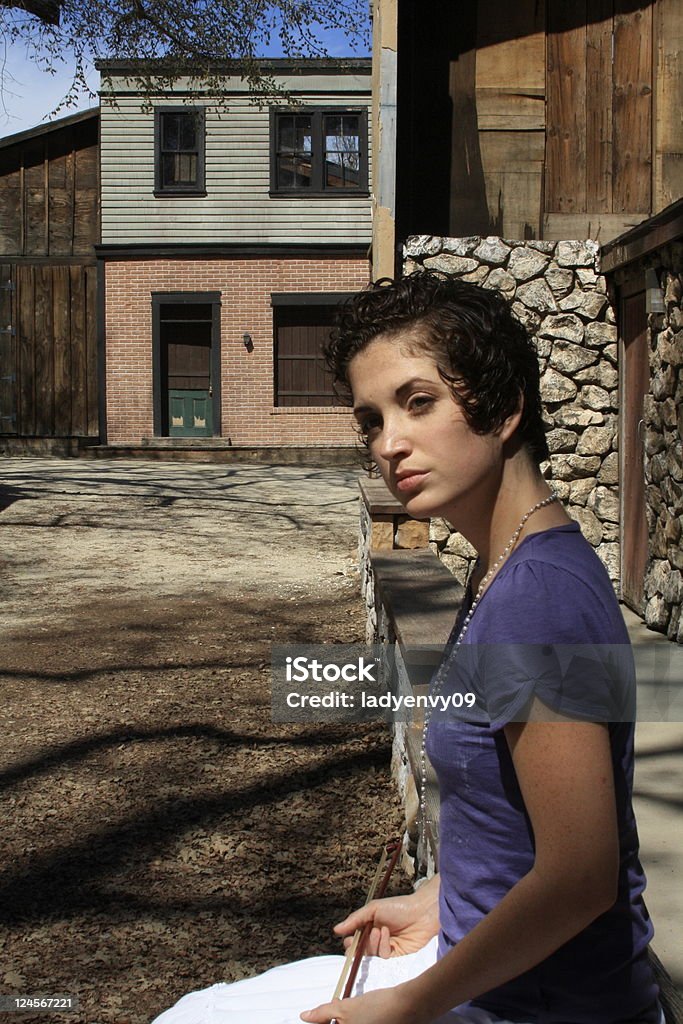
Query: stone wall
663,416
557,290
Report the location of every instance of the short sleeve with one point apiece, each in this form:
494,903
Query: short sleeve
543,635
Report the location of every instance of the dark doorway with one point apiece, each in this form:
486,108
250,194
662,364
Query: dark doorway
635,384
187,365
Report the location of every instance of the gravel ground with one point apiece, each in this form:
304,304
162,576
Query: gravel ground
160,832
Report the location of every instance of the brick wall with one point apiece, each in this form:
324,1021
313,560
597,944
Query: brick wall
248,414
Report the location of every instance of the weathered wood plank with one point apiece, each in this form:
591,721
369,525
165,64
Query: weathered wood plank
92,421
513,169
511,45
468,206
43,349
632,108
668,131
8,362
565,180
34,205
26,419
62,349
10,218
599,108
60,217
87,167
86,221
505,110
601,226
79,364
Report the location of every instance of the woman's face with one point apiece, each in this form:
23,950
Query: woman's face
430,458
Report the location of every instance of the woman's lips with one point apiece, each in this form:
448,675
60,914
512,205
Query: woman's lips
410,482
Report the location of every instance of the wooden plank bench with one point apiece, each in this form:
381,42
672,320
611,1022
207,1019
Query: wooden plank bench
416,600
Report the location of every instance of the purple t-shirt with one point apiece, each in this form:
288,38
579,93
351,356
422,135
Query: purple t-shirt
553,590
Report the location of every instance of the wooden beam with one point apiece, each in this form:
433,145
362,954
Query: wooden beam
632,108
599,128
47,10
565,182
668,89
651,234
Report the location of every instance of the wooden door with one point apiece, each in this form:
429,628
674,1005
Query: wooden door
186,352
635,384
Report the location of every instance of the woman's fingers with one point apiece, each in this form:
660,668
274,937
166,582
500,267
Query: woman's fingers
355,920
384,944
378,942
324,1013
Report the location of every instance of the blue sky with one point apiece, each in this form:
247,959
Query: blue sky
29,95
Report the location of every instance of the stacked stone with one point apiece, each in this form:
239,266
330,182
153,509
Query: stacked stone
663,416
557,291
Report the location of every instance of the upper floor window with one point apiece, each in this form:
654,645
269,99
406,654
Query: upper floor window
179,151
318,151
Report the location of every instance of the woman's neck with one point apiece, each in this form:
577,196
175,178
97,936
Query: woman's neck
521,487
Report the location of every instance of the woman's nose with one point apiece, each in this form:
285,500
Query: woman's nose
393,442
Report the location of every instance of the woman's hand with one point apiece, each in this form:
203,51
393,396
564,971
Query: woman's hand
401,924
383,1006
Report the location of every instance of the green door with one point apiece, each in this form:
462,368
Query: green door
186,364
189,414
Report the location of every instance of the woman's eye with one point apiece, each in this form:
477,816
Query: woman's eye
420,403
367,425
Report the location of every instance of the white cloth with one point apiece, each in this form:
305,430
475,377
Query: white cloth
281,994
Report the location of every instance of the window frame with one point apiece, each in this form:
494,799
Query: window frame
330,301
159,299
317,188
197,189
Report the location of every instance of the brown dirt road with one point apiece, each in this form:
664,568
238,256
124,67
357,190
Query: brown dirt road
160,833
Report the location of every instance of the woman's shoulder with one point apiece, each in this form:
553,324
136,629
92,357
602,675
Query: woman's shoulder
553,589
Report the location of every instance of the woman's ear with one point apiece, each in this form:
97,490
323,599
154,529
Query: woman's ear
511,422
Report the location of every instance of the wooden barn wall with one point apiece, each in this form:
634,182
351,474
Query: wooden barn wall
600,86
49,357
668,123
564,117
510,101
49,193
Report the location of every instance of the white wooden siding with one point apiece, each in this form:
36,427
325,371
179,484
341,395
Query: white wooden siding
237,207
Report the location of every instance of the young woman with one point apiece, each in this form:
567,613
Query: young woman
536,915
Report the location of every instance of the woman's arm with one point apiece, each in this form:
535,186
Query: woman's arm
565,774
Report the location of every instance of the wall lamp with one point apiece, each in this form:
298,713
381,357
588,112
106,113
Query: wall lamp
248,343
654,300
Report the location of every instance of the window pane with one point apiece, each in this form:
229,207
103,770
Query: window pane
342,151
303,134
179,168
285,127
341,133
188,131
294,133
293,171
170,131
187,168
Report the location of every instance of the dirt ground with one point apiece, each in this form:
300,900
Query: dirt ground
160,833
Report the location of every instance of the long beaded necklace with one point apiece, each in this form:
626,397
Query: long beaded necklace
445,664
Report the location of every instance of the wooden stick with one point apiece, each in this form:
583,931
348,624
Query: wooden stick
354,953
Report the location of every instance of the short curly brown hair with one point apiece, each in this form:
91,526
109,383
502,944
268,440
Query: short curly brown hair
482,351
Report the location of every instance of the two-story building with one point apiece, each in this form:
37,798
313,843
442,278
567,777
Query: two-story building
230,230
